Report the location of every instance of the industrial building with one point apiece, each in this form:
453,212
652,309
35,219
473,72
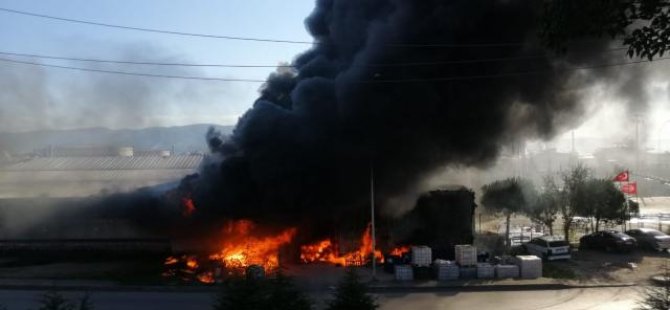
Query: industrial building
78,173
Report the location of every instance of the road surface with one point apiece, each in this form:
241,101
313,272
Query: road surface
573,299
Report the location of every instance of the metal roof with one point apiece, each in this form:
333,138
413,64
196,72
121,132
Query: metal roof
107,163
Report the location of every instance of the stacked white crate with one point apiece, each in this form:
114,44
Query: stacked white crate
466,255
403,273
485,271
422,256
530,266
445,270
507,271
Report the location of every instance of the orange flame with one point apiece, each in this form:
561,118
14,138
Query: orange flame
188,207
206,277
327,251
399,251
241,248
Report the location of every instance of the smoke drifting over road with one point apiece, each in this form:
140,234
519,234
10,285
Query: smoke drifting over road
375,91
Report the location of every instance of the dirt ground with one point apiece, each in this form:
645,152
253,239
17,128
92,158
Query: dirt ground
600,267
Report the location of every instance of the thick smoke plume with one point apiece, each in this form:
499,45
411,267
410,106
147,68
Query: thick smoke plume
375,93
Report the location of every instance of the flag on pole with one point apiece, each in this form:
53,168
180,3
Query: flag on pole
622,177
629,188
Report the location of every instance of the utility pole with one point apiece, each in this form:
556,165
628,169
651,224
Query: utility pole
372,222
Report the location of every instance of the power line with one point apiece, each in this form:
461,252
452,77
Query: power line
240,38
408,64
168,76
180,33
443,79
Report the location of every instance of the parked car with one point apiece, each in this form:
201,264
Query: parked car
548,248
608,240
650,238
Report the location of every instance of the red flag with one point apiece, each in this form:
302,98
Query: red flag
629,188
622,177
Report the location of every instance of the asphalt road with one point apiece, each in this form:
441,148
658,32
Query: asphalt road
577,299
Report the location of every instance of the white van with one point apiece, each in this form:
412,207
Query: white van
548,248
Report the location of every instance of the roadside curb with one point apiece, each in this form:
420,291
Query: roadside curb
494,287
372,288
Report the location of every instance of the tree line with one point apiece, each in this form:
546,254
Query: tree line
570,194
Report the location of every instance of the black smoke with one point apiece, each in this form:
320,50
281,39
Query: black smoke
374,92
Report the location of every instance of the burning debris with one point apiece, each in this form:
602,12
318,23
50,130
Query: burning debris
242,245
327,251
400,251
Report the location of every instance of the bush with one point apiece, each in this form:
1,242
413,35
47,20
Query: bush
279,293
55,301
351,294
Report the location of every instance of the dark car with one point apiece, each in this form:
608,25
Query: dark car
608,240
650,238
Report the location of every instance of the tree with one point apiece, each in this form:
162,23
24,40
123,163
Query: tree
603,201
573,198
657,297
508,197
642,24
279,293
85,303
56,301
283,292
351,294
240,293
547,205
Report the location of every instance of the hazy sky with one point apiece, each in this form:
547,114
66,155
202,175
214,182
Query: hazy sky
41,98
46,98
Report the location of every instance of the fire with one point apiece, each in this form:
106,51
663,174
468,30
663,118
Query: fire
206,277
188,207
327,251
399,251
241,247
191,263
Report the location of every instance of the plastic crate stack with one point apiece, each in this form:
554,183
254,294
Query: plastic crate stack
403,273
530,266
445,270
485,271
466,255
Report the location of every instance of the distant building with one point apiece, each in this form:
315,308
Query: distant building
80,172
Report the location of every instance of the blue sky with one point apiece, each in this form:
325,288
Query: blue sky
57,99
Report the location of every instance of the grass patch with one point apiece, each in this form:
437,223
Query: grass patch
558,271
